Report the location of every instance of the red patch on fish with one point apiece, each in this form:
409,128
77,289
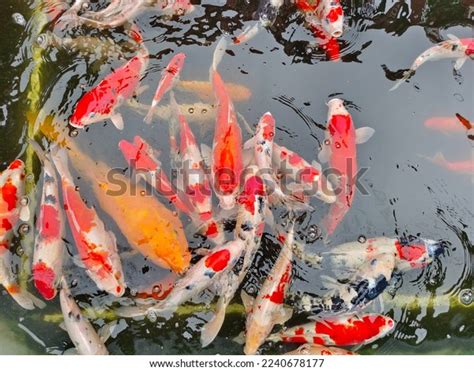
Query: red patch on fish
212,229
411,252
334,14
9,195
218,260
278,296
253,187
6,224
17,164
44,278
309,174
77,209
50,225
355,331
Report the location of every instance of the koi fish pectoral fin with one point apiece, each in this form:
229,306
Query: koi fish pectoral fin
459,63
117,120
364,134
211,329
283,315
452,37
325,154
247,301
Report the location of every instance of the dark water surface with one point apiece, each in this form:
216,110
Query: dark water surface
289,76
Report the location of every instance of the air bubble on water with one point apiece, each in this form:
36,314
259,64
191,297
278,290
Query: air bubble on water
191,110
309,50
338,145
30,178
175,213
142,193
313,233
461,329
204,111
362,239
77,188
19,19
459,97
151,315
20,251
74,133
156,289
73,283
24,229
466,296
327,142
176,324
133,292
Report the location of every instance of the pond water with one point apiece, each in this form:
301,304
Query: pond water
291,77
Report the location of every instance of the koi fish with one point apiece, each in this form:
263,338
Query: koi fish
268,11
327,14
339,150
267,310
309,176
249,229
102,102
12,183
85,339
169,76
226,166
49,244
327,43
454,48
149,227
447,125
320,350
462,167
409,253
97,247
339,331
199,277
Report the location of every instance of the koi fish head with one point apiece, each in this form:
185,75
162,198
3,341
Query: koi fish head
415,252
266,127
384,324
87,111
332,17
11,186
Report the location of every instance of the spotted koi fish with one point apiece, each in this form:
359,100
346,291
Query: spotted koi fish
320,350
339,151
328,14
252,204
226,166
267,310
409,253
308,177
169,77
97,247
12,183
102,102
459,49
84,337
339,331
49,244
199,277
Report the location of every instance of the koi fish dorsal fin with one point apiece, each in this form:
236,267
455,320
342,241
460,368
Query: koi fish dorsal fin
364,134
459,63
117,120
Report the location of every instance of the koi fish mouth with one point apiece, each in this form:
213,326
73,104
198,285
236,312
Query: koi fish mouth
436,248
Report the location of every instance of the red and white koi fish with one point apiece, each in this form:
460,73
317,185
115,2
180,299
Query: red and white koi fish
410,253
461,167
169,77
200,276
454,48
226,166
141,157
267,310
97,247
85,339
195,179
12,185
339,150
49,247
320,350
249,229
327,43
339,331
103,101
448,125
309,176
325,13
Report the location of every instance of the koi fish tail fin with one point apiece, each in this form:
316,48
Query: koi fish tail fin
211,329
218,53
25,299
149,115
248,33
134,312
405,77
60,160
439,159
336,213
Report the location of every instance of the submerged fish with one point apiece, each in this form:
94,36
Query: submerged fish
96,246
454,48
267,310
339,151
169,76
327,14
49,247
151,228
12,185
203,89
102,101
344,330
446,125
320,350
85,339
462,167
